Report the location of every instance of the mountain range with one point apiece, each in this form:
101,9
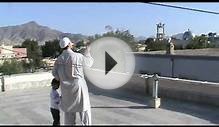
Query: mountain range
15,35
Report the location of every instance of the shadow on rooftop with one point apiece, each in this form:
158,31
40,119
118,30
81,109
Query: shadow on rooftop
130,107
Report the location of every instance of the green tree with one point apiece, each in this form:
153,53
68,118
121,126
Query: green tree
155,45
33,52
149,40
51,48
124,35
11,67
199,42
17,46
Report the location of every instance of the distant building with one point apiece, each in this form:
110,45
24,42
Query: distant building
160,31
48,63
188,35
8,52
183,38
141,47
20,52
213,37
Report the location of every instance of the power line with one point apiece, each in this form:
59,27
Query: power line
185,8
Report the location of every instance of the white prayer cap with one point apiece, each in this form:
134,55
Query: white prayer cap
64,42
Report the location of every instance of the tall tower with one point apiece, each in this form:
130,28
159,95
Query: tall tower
160,31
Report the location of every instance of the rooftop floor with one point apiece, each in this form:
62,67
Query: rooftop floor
31,106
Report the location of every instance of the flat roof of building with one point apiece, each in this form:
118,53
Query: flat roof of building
31,106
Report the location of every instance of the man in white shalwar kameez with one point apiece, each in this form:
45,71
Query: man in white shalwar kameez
68,69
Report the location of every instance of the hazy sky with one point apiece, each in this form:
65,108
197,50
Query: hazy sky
91,18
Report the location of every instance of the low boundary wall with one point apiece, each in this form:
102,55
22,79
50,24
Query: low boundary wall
189,90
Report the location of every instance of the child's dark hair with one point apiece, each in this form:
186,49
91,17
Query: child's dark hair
55,82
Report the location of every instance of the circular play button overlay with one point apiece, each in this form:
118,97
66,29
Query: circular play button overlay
114,63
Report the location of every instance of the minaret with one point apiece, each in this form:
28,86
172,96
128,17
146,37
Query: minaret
160,31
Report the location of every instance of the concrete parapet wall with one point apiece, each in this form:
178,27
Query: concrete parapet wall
196,91
27,80
202,68
188,90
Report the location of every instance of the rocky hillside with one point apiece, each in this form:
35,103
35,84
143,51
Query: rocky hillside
15,35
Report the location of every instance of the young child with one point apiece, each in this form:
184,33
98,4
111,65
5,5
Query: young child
54,102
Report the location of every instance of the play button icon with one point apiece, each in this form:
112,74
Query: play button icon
114,63
110,63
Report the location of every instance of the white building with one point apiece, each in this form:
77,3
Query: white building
183,38
6,52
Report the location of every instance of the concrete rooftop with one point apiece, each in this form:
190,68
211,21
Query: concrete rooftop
31,106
